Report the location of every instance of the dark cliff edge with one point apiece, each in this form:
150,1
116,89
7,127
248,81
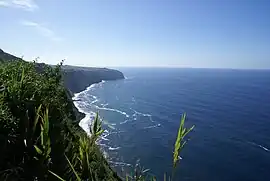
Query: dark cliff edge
76,79
7,56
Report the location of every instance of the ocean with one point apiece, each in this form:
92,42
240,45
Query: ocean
141,114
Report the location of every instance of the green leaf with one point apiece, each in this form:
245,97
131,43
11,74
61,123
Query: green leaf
73,169
56,175
36,118
38,150
180,143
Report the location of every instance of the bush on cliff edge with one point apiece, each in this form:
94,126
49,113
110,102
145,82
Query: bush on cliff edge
38,129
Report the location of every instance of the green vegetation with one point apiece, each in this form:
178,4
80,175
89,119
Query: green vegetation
39,135
39,131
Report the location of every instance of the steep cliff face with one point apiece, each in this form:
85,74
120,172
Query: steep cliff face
77,79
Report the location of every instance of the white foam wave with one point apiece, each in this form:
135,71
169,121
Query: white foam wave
89,116
105,139
85,122
120,163
76,95
266,149
154,126
86,90
260,146
114,110
125,121
105,134
116,132
104,105
142,114
94,101
116,148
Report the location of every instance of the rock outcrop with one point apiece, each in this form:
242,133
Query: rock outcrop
76,79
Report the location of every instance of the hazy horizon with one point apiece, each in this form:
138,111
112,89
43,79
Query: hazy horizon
136,33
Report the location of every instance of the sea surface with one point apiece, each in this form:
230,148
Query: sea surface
229,108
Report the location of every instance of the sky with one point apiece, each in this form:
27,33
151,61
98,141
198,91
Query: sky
139,33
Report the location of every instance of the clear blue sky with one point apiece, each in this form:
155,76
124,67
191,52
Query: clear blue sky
180,33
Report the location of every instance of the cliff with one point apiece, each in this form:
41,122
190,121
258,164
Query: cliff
76,79
7,56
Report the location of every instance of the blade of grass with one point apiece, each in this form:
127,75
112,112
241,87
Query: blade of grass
73,169
56,176
36,119
180,142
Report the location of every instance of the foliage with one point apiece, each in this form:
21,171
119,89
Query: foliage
44,139
180,142
38,130
95,128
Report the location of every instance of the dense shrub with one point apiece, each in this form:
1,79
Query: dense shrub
38,130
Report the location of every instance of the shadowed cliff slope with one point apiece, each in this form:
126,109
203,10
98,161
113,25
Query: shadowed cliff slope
76,79
79,78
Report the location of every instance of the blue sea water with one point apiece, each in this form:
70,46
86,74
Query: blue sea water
229,108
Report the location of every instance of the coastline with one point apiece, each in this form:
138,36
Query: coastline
87,119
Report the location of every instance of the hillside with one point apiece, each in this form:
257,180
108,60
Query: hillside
71,74
39,130
7,56
39,136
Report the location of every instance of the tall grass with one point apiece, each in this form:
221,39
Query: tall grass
38,130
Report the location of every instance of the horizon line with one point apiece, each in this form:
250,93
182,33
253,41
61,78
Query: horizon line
167,67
